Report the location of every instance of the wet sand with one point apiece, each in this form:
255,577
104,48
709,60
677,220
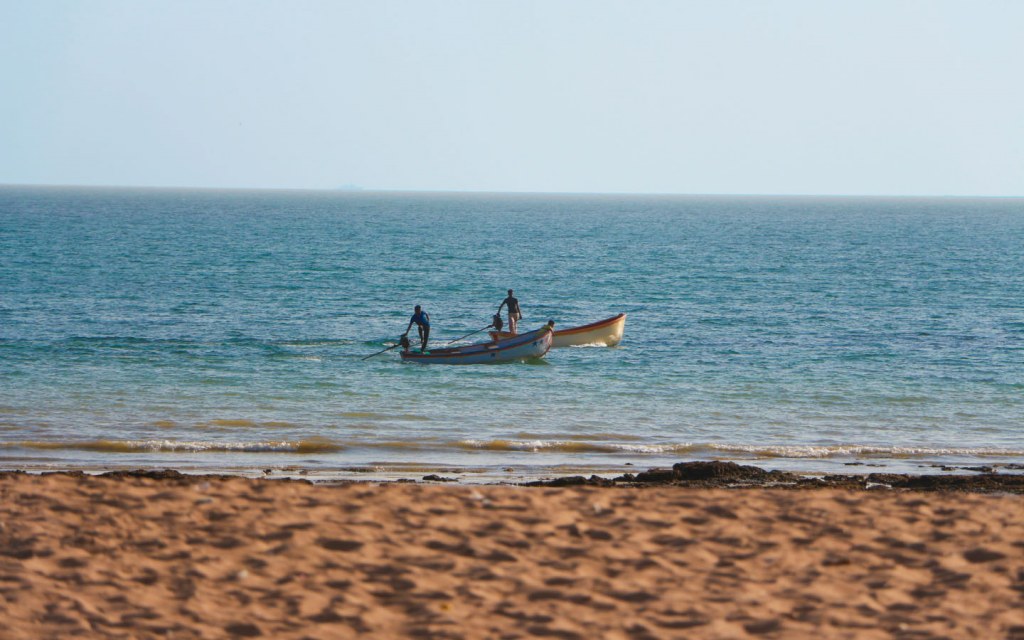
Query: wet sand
156,555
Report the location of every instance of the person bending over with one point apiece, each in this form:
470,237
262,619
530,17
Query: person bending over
422,321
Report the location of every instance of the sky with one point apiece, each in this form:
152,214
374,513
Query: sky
888,97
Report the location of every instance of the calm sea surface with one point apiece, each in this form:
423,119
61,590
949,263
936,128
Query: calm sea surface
225,330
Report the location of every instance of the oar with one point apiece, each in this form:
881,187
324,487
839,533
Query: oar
380,352
401,342
471,334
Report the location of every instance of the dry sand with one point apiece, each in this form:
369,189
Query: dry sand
207,557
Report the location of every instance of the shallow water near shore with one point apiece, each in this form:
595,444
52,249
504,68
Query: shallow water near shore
225,331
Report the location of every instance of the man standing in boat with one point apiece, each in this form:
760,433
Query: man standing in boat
422,321
514,315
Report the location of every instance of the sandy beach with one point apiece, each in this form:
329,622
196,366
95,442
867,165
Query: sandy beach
145,556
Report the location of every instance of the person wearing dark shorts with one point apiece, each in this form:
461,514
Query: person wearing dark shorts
514,315
422,321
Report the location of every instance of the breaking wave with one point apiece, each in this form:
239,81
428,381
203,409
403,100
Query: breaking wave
416,447
782,451
313,445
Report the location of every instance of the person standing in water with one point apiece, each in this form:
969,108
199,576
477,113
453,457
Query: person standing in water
514,314
422,321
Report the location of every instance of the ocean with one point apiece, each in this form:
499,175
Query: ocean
226,331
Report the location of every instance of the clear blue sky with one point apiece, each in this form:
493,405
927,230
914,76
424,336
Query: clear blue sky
803,97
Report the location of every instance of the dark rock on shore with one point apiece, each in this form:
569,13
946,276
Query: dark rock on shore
564,481
656,475
157,474
436,478
717,470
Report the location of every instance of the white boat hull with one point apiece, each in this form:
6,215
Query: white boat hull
521,347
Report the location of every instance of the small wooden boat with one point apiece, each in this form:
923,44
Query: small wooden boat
606,333
524,346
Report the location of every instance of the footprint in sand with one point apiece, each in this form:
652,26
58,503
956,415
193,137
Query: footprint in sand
979,555
334,544
243,630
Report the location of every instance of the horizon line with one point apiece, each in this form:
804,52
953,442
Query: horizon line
368,190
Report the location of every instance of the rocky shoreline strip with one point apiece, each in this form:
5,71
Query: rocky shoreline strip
729,475
695,474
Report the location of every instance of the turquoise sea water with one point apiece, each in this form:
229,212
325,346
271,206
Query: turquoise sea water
225,330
